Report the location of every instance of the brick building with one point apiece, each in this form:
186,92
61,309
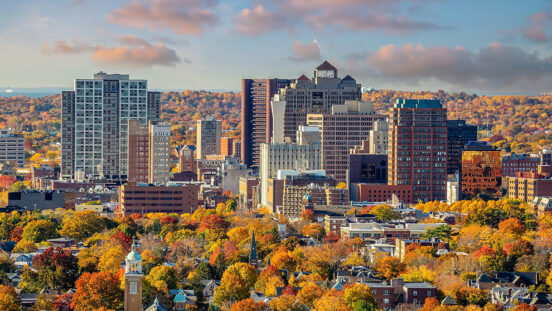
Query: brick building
481,170
528,185
513,163
144,198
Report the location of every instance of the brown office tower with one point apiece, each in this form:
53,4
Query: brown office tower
186,161
138,155
341,130
481,170
226,146
417,148
148,156
256,116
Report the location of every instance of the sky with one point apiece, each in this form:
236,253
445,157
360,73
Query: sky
481,46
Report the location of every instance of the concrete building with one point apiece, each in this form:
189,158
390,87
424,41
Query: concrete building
382,193
459,134
378,138
148,156
230,172
481,170
227,146
417,148
208,137
342,129
145,198
516,162
256,117
248,198
12,147
296,198
31,200
275,157
526,186
186,160
316,95
307,135
94,124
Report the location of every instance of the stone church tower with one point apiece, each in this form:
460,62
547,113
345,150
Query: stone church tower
133,281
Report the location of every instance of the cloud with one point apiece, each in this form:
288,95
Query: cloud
259,20
494,67
306,51
536,31
63,47
390,17
131,51
179,16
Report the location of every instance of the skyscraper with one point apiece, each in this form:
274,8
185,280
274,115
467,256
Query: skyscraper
459,134
95,119
341,130
417,148
208,137
256,116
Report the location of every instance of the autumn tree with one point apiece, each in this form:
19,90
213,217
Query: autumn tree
56,269
83,225
98,290
309,294
390,267
248,305
359,293
9,300
385,212
235,284
38,231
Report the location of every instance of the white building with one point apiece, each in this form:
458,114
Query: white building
230,172
379,137
94,123
12,147
159,153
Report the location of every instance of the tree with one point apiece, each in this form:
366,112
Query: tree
315,231
165,274
443,232
6,181
390,267
472,296
359,292
286,303
112,259
57,269
97,290
235,284
385,212
248,305
25,247
9,301
330,301
309,294
525,307
512,226
38,231
83,225
430,304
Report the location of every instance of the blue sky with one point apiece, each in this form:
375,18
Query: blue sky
485,46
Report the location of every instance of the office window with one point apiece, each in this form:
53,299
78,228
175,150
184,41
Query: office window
415,293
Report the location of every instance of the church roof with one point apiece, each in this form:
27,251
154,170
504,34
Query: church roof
156,306
133,255
253,249
326,66
180,297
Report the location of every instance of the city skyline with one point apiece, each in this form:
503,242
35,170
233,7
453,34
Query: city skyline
490,47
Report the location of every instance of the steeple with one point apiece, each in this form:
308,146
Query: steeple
133,280
253,259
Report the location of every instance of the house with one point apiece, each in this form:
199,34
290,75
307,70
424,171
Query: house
61,242
505,279
209,288
156,306
352,276
14,278
417,292
512,296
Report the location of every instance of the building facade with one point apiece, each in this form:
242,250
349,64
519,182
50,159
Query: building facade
379,138
94,124
526,186
417,154
172,198
208,137
275,157
481,170
256,117
186,159
515,162
12,147
459,134
148,156
341,130
227,146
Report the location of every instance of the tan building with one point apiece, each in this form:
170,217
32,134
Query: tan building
186,159
148,156
528,185
294,197
247,194
346,127
227,146
378,138
174,198
208,137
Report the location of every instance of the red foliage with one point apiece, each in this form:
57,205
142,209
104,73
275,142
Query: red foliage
308,214
230,249
123,239
136,216
6,181
214,256
63,302
16,234
331,237
227,194
485,251
366,209
214,222
412,247
169,220
289,290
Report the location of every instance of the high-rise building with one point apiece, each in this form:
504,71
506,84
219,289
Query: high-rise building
308,135
459,134
316,95
186,161
481,170
275,157
12,147
94,119
417,154
341,130
519,162
208,137
227,146
256,117
378,138
148,156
